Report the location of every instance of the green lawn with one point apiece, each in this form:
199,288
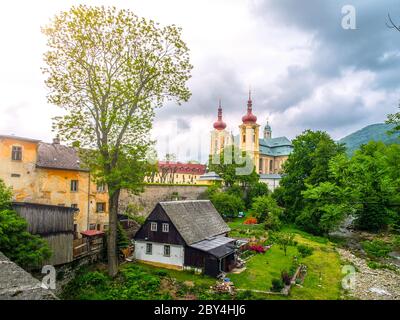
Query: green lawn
324,268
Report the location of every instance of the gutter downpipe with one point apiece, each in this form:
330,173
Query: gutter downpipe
88,204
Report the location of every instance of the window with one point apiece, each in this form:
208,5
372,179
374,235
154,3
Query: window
149,248
270,165
75,206
74,185
61,204
105,227
165,227
15,175
167,251
98,227
16,153
100,207
101,187
153,226
92,226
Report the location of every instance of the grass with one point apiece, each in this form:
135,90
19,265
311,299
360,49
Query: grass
201,280
323,280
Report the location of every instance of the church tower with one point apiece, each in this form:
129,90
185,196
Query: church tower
249,133
219,136
267,131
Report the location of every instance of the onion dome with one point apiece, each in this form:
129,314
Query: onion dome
249,117
219,124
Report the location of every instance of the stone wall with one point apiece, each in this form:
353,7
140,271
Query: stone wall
17,284
156,193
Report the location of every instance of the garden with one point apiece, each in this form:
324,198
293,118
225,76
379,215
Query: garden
267,271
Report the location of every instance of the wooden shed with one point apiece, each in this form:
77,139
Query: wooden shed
55,224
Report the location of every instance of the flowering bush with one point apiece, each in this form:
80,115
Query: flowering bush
257,248
250,220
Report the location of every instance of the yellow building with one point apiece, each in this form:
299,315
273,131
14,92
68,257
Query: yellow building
170,172
50,173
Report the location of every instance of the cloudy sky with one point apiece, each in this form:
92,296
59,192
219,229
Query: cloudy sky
304,69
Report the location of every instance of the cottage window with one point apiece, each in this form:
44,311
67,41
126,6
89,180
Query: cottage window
16,153
165,227
153,226
74,185
100,207
149,248
167,250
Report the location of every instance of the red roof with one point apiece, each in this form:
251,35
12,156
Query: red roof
92,233
178,167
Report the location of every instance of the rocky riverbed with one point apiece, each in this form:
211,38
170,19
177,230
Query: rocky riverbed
371,284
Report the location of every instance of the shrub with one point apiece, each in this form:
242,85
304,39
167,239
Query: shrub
376,248
245,295
265,209
227,205
285,276
304,250
257,248
16,242
250,220
277,285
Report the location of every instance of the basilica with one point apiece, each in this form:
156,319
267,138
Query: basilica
268,153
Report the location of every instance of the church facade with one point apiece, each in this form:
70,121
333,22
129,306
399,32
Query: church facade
268,153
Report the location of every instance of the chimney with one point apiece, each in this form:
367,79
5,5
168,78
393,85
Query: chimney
56,140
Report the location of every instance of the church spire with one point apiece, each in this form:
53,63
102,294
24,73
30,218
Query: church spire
219,124
249,117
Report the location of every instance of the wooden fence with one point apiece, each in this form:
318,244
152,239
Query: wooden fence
86,246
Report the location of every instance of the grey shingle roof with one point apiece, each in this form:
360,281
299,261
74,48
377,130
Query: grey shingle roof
57,156
280,146
195,220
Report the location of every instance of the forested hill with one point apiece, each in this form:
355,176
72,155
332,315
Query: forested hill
376,132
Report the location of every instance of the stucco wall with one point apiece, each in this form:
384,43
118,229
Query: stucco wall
156,193
176,257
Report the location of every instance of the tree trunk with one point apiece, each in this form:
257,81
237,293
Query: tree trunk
112,234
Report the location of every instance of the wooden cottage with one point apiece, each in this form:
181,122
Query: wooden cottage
186,235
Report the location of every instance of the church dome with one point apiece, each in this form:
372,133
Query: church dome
219,124
249,117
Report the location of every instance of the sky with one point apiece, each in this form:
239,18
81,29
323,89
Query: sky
304,69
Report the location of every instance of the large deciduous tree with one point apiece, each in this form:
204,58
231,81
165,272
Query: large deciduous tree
307,164
109,69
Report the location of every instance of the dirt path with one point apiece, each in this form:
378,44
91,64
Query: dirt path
370,284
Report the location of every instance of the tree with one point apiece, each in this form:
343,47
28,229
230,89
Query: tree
109,69
230,160
283,239
255,190
16,242
228,205
370,181
266,210
326,205
307,164
394,119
